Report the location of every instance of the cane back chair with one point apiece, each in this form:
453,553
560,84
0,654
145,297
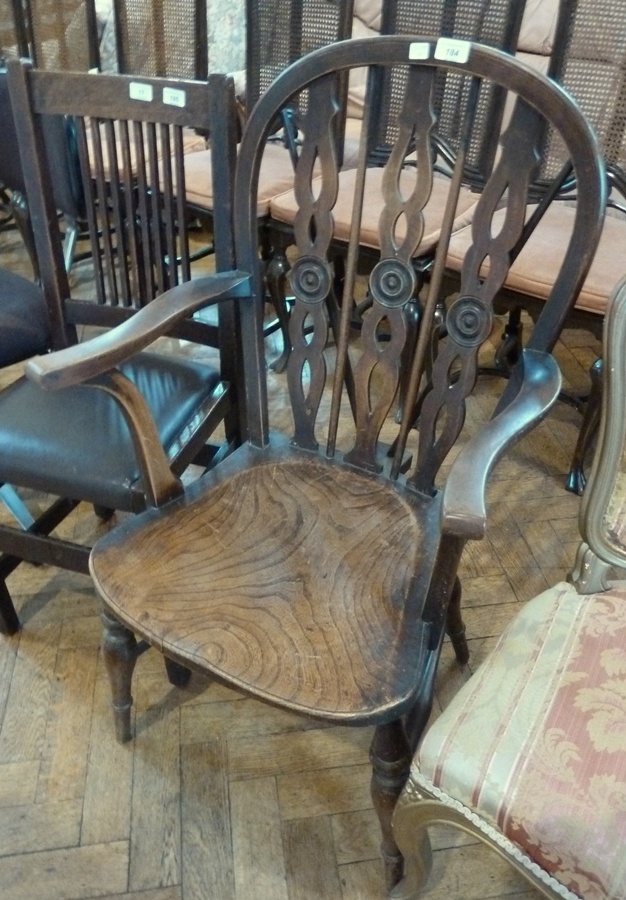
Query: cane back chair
495,24
530,755
318,571
590,44
168,38
78,447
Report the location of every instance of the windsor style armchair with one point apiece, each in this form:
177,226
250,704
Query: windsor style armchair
316,569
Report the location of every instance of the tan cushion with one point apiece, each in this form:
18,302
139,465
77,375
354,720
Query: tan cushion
352,136
276,176
369,12
283,207
535,742
358,77
538,26
536,268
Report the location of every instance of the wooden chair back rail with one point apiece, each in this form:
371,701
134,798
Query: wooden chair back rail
313,231
494,24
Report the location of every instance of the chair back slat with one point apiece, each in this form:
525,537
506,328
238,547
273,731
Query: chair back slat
496,24
129,135
382,341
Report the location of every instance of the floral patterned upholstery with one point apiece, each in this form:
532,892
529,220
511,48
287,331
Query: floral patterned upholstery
530,756
535,743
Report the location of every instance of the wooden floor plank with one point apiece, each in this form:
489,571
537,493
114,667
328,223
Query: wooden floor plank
306,842
75,874
257,840
155,818
207,852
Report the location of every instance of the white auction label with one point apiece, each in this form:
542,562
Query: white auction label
419,50
139,91
452,50
174,97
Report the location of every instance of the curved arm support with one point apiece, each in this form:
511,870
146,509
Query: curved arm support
464,508
159,482
105,351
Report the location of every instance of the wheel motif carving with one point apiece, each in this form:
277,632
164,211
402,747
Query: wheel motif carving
392,283
469,322
311,279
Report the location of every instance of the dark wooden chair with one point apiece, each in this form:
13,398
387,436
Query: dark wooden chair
496,24
529,757
66,179
316,569
79,446
278,32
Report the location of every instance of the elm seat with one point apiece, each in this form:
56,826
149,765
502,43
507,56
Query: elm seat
24,319
530,755
316,569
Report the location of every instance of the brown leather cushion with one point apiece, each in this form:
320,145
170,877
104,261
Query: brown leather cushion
75,442
283,208
24,322
537,267
276,176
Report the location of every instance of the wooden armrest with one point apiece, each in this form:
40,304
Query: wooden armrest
464,498
105,351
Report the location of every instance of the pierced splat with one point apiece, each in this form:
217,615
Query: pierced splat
469,319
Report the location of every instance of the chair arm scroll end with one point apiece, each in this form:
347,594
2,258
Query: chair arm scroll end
463,510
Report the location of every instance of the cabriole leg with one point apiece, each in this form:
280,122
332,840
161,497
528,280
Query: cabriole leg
414,844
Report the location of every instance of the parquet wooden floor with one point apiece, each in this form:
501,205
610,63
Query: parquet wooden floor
219,797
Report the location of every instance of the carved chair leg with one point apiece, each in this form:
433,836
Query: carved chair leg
9,622
276,280
412,839
391,758
510,346
455,626
576,480
177,674
119,650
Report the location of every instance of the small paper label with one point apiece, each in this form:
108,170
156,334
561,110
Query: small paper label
419,50
174,97
139,91
452,50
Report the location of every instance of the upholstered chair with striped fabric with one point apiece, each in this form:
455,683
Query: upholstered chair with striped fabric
530,755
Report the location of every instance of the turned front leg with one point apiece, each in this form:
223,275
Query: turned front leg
391,758
119,650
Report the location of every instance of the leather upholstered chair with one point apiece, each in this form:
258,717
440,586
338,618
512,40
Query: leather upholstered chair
530,755
315,567
83,444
